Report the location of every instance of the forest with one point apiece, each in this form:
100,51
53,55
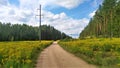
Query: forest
106,21
18,32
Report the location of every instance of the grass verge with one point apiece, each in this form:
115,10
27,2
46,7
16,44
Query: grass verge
104,53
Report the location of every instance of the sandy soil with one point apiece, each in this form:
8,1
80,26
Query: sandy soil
56,57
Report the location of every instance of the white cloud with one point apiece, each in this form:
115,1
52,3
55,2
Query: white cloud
96,3
26,11
64,23
92,14
29,4
14,15
68,3
3,2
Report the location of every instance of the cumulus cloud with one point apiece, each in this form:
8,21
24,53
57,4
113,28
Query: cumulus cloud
25,13
3,2
96,3
65,24
14,15
68,3
92,14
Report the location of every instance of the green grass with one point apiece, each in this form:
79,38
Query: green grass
104,53
22,54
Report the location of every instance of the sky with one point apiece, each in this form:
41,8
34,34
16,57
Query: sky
68,16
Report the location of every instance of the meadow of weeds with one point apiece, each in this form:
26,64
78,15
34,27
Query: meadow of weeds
102,52
22,54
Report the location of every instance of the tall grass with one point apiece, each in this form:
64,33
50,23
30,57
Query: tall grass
103,52
20,54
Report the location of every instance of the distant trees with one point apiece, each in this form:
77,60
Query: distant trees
16,32
106,22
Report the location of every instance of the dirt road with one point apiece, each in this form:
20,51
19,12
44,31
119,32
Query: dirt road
55,57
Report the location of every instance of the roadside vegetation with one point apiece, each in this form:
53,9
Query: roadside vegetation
22,54
105,53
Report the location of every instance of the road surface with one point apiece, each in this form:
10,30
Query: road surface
56,57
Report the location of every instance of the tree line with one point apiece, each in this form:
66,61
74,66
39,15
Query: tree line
106,21
18,32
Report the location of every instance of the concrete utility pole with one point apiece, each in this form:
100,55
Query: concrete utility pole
39,22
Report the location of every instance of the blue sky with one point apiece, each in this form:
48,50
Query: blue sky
68,16
81,11
14,2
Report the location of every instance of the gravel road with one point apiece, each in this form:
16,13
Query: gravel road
55,56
